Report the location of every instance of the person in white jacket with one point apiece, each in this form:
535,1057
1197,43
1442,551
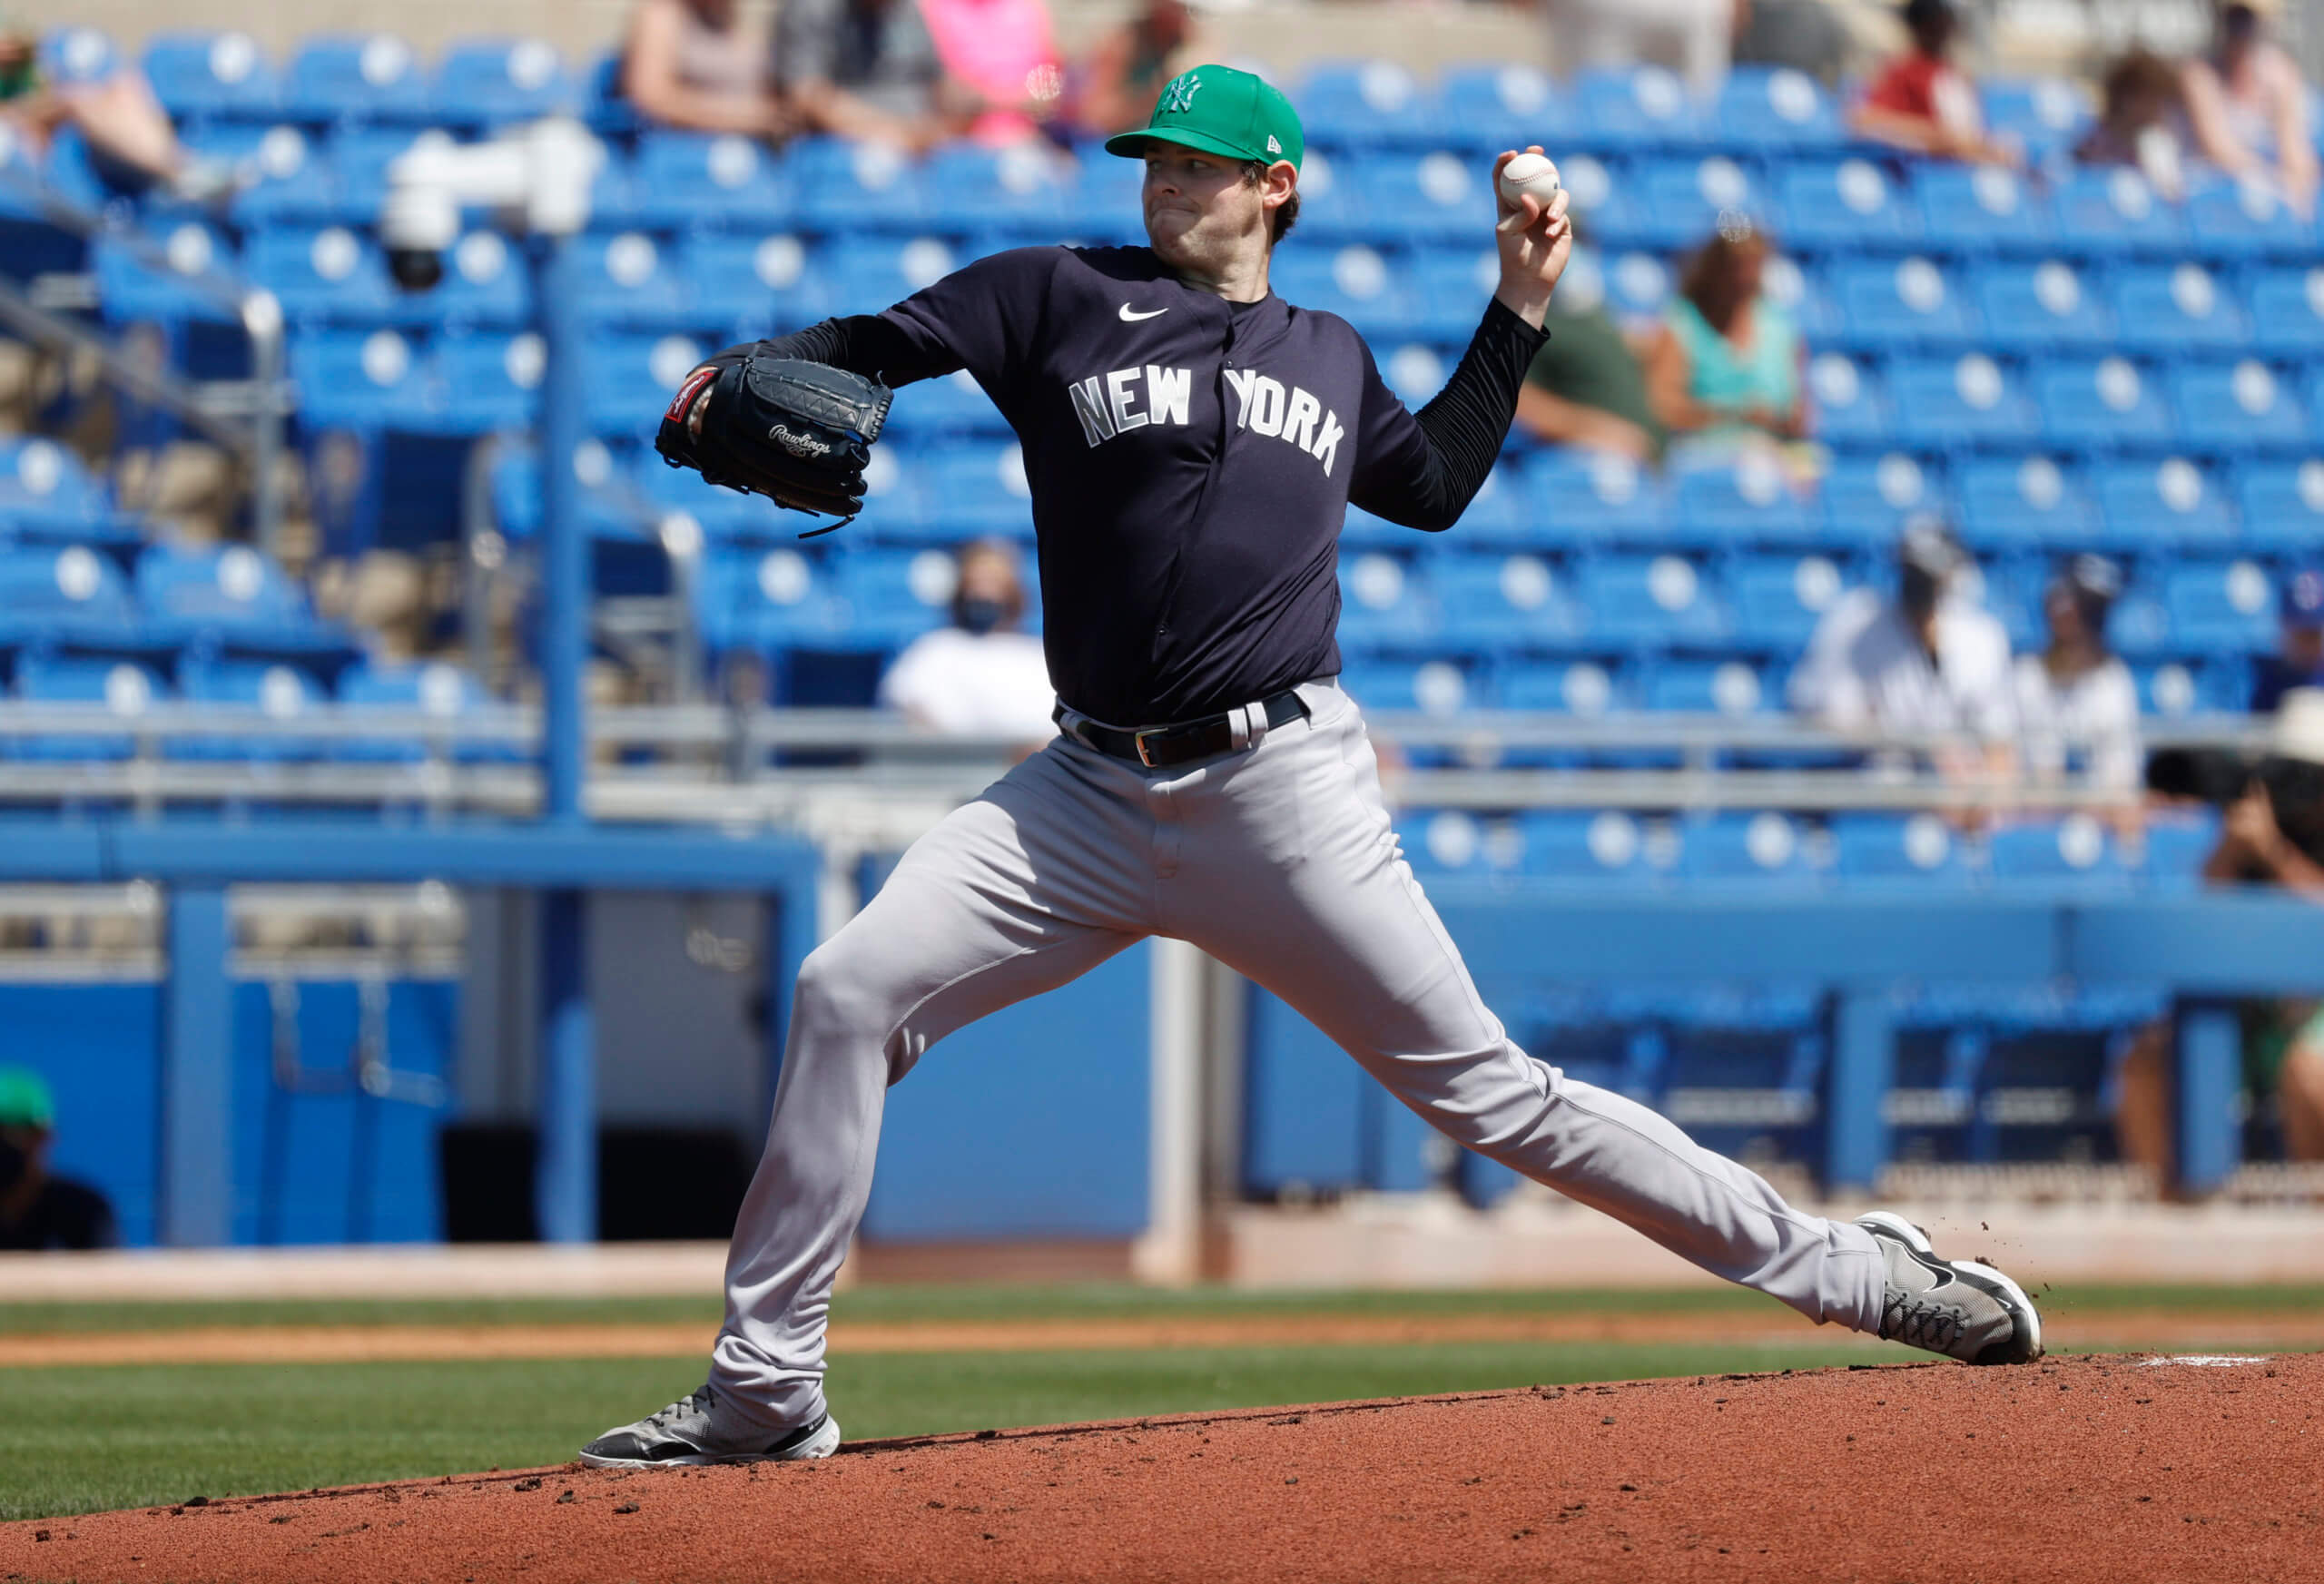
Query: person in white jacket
2077,707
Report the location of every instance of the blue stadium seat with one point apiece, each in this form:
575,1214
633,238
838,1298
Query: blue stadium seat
1386,604
2075,853
1431,687
953,405
1416,199
1449,842
1917,850
2106,404
2042,307
517,507
1486,109
1500,513
353,379
2167,506
1638,286
894,597
2112,213
2282,505
1022,193
355,78
441,691
485,285
856,186
1984,207
630,280
2015,503
867,274
1845,203
1501,602
44,490
1608,846
2238,407
1595,496
288,176
1352,104
778,599
2177,844
2288,310
1680,200
630,379
2221,607
1602,193
200,76
1805,295
1415,371
280,692
2176,309
1710,687
2240,221
492,381
1779,599
1585,688
1851,398
1774,111
486,83
1946,402
1905,305
1628,108
42,587
603,106
1767,849
325,276
77,55
1648,602
129,290
126,688
1448,287
685,181
231,590
1357,283
318,180
1867,500
1751,501
978,488
2045,114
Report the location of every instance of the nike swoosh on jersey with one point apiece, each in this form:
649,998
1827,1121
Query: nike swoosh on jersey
1130,317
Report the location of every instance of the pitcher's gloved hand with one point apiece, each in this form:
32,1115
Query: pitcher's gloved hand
798,433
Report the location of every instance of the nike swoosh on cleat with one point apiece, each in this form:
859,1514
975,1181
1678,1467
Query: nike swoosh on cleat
1130,317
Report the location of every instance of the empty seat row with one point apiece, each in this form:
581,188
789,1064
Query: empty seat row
170,592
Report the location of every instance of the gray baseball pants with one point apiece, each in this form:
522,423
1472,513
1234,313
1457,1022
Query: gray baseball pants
1277,860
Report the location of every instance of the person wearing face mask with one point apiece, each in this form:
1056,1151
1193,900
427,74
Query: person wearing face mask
38,1211
2076,700
981,676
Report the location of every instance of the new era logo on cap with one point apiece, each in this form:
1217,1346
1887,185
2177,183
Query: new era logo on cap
1273,147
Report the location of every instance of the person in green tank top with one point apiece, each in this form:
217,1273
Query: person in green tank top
1725,372
1586,387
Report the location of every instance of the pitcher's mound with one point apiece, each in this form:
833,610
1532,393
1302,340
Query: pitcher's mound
2193,1468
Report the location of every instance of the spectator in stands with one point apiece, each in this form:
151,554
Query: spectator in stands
868,69
1725,372
37,1210
687,64
1124,72
2076,700
1930,663
2247,106
1923,103
1586,387
1693,38
979,676
2273,835
1001,58
2141,123
1808,35
2298,660
125,126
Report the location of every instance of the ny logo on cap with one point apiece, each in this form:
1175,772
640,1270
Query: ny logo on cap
1179,98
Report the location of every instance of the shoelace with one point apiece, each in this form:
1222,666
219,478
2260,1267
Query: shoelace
1934,1326
661,1418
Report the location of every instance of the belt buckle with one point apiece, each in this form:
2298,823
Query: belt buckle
1138,740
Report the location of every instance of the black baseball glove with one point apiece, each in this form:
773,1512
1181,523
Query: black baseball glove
798,433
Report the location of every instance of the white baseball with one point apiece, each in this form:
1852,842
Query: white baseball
1529,175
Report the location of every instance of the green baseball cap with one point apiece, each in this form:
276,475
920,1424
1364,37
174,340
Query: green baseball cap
24,1099
1220,111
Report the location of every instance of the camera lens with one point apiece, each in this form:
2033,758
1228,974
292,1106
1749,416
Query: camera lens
416,269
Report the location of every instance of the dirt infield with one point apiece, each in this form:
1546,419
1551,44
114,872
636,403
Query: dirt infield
2079,1469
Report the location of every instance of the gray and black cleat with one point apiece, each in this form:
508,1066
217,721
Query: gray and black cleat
1959,1308
691,1431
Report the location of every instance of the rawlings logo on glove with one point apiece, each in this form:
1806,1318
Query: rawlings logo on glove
798,433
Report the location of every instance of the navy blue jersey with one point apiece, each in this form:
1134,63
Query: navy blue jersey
1191,460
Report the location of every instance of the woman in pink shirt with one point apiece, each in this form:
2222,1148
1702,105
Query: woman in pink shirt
1004,52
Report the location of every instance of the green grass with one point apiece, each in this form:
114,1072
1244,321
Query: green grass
75,1440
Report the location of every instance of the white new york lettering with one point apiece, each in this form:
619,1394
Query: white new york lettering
1299,427
1119,395
1166,393
1089,406
1239,380
1266,407
1327,447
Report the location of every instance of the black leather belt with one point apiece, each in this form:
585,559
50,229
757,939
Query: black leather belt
1156,747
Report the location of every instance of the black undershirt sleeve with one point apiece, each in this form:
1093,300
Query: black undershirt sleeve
868,344
1463,429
